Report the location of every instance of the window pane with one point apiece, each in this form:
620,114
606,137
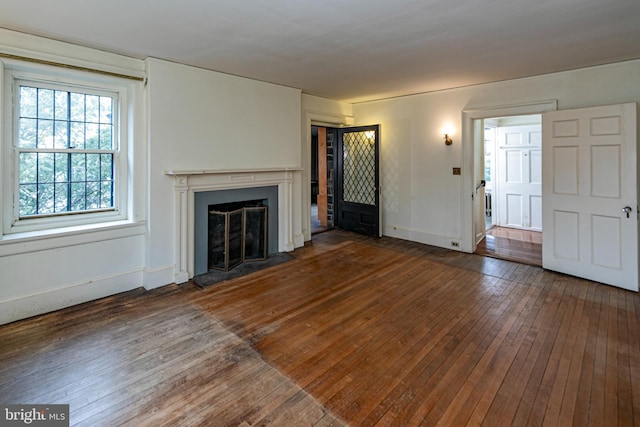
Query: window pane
106,167
28,168
92,108
28,199
92,136
62,163
93,167
77,196
45,168
78,171
77,107
45,104
45,198
106,140
61,198
61,134
45,134
77,135
106,109
28,102
93,195
27,133
62,105
107,194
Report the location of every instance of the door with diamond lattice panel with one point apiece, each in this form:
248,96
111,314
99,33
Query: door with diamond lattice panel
357,180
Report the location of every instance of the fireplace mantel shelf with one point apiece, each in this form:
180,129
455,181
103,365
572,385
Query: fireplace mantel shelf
174,172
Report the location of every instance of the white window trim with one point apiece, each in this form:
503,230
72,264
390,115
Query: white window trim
12,226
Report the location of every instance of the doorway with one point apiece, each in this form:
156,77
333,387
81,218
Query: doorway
509,217
322,173
344,179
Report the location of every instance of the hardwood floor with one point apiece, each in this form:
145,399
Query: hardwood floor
513,245
354,331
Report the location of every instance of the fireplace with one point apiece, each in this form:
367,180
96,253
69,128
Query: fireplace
194,188
230,200
237,232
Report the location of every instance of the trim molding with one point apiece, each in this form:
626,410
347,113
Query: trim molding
20,243
420,236
187,183
316,118
157,277
56,299
468,241
26,47
71,67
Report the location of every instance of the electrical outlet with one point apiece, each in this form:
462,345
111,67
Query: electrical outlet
455,244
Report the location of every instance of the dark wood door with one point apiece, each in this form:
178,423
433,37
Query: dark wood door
357,180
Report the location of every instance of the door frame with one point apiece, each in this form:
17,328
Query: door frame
468,243
495,185
316,119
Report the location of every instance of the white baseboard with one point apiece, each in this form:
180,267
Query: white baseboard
298,240
181,278
55,299
157,277
447,242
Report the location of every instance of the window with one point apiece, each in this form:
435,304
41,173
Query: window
67,150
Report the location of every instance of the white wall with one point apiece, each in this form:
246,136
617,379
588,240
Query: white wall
422,200
203,120
42,272
36,282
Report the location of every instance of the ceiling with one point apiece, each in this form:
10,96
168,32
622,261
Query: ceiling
348,50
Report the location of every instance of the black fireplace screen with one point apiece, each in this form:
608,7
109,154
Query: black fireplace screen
237,233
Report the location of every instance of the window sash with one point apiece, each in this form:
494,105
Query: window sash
69,200
74,181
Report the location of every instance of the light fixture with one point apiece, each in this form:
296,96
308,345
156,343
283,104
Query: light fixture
447,130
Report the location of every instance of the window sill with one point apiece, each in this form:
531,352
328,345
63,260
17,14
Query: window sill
34,241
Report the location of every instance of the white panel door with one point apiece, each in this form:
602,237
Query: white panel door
520,177
590,182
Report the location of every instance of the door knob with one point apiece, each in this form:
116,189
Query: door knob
627,210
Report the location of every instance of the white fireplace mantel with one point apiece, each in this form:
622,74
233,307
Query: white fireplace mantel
188,182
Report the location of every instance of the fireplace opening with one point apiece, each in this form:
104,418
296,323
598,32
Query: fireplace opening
237,232
204,201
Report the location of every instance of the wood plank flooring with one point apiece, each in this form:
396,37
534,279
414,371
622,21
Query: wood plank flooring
354,331
513,245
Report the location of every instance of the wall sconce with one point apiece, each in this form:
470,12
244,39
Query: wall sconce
447,130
